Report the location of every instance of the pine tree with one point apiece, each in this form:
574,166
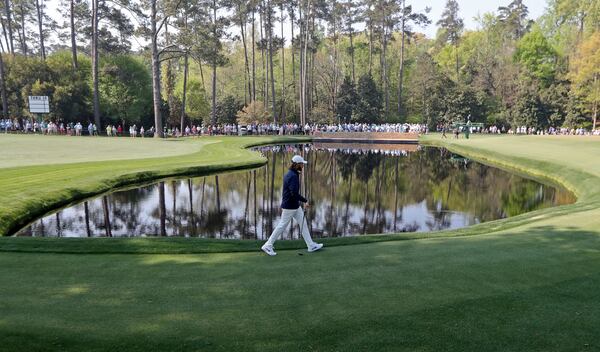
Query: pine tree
346,100
514,18
368,108
451,27
408,18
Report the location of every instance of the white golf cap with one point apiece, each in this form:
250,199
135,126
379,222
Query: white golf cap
299,160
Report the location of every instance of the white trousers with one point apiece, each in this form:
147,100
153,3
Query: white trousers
286,217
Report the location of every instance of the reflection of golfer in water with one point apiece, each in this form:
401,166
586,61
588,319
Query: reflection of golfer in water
291,208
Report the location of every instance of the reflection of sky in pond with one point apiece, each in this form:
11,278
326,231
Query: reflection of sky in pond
353,192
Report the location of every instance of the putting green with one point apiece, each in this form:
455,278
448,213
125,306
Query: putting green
27,150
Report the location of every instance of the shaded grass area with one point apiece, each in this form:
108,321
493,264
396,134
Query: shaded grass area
535,289
29,192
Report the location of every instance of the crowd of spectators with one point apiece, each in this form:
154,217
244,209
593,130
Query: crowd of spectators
527,130
554,131
46,127
78,129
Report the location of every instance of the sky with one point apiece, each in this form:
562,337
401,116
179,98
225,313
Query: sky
469,10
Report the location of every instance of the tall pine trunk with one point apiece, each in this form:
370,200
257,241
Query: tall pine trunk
305,33
352,56
156,89
186,65
3,89
335,66
282,66
301,58
9,25
386,84
96,94
40,16
370,47
213,95
292,16
253,95
5,35
170,80
272,78
246,66
401,69
202,77
183,98
23,34
265,91
595,108
73,40
213,114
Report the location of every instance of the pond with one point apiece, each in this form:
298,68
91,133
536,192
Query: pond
353,191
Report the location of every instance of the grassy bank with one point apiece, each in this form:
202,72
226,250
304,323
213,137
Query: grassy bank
528,283
37,176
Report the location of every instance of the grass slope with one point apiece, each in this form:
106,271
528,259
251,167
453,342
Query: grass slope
30,191
530,284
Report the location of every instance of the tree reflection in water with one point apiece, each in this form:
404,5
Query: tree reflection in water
352,192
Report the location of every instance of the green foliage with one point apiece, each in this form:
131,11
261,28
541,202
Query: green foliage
71,94
585,73
463,101
368,107
227,109
197,105
68,89
451,25
514,19
429,93
528,108
346,100
481,72
125,89
537,56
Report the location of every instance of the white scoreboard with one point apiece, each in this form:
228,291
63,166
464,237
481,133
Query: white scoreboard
39,105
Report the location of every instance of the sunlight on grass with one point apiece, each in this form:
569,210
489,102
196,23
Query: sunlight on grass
211,259
77,290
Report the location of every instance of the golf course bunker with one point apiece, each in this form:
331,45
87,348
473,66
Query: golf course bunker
353,191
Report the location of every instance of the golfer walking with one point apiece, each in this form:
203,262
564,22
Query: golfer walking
290,205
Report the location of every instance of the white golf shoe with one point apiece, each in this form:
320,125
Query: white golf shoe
315,247
268,249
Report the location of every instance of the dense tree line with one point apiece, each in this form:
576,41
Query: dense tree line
215,61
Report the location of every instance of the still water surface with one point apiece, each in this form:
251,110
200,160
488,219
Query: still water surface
353,192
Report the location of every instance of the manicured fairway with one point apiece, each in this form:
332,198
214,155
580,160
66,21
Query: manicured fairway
531,283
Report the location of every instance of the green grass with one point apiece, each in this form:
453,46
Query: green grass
26,150
529,283
38,182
